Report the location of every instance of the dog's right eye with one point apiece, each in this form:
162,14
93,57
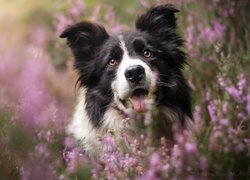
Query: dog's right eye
112,62
147,53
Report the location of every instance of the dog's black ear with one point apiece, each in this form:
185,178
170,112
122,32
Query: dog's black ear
158,20
84,37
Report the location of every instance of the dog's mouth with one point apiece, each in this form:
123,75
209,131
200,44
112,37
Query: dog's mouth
138,99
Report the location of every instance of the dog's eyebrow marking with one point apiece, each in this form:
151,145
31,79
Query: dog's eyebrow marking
122,42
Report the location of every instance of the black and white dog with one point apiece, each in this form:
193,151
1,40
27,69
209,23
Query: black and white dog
118,72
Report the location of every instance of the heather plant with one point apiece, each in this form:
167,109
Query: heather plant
37,100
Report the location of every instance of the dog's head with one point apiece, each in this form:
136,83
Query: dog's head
131,65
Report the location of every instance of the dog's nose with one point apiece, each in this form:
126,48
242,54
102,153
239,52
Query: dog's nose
135,73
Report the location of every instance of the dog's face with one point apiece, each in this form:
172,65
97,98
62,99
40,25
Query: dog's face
128,67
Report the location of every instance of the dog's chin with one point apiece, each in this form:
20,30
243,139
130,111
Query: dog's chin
137,99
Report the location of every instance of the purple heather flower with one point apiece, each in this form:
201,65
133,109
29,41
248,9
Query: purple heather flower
76,7
38,170
74,158
190,147
128,162
242,83
190,37
235,92
95,13
212,111
109,144
248,104
225,107
219,29
69,142
197,117
154,171
35,99
166,168
155,159
42,150
224,122
240,115
191,178
179,138
203,163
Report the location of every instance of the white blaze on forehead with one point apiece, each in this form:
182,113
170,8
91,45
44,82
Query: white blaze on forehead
123,46
122,85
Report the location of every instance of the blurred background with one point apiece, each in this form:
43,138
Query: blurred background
37,83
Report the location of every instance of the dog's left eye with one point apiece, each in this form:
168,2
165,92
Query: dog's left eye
112,62
147,54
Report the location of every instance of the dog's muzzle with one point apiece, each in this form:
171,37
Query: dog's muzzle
139,90
134,85
135,74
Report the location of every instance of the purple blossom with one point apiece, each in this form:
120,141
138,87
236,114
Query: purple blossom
248,104
69,142
154,171
190,37
76,8
212,111
241,83
190,148
203,163
155,159
109,145
37,171
73,159
224,122
236,94
225,107
219,29
128,162
197,118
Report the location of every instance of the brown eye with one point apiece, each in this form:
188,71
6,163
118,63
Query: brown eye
112,62
147,54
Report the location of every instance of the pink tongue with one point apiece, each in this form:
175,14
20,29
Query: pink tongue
139,103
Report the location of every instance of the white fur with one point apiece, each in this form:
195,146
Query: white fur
114,121
80,126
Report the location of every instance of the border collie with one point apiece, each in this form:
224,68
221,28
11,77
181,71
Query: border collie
126,71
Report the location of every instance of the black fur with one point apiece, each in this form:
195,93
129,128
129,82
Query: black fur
92,47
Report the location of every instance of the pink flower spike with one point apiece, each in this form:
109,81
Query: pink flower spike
190,147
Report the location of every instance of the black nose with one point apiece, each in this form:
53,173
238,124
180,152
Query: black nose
135,74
